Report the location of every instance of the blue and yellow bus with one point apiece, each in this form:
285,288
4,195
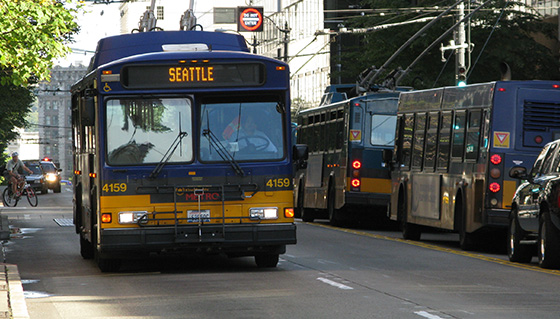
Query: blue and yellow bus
454,148
345,171
182,142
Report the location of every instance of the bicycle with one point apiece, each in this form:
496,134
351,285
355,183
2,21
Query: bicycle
11,200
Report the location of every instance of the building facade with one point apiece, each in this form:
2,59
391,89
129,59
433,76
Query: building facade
54,118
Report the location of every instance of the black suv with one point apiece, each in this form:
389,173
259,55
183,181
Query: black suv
52,175
534,223
37,178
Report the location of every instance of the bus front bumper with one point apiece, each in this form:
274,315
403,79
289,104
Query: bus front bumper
241,239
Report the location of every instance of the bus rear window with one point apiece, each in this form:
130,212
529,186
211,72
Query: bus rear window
383,129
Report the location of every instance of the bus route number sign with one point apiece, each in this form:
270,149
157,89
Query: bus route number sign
166,76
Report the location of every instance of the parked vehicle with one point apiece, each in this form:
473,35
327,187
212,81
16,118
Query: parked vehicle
535,214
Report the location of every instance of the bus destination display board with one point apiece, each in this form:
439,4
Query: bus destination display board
169,76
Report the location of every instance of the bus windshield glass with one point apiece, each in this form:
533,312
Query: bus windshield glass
383,129
246,130
141,131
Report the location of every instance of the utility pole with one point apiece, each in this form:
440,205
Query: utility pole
461,48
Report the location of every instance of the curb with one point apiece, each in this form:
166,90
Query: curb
12,290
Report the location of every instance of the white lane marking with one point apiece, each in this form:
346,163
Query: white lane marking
334,283
427,315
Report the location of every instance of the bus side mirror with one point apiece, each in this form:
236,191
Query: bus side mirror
518,172
388,158
300,155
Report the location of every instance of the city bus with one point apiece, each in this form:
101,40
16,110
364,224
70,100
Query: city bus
182,144
454,147
345,169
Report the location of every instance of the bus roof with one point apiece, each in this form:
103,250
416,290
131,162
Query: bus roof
121,46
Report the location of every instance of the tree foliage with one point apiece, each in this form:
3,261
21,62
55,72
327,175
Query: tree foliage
34,32
500,33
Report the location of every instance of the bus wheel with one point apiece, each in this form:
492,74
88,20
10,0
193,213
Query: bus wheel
86,248
548,250
516,251
267,260
409,231
108,264
466,239
333,212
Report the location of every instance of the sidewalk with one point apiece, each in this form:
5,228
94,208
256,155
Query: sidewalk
12,300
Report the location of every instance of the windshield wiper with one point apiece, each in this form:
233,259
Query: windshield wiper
222,151
167,154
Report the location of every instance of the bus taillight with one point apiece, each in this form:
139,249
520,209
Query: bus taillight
356,164
496,159
356,182
494,187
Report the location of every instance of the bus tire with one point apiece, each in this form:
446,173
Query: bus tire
409,231
516,251
334,218
86,248
299,211
267,260
548,251
466,239
108,264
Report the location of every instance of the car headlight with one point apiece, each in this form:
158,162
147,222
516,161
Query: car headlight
51,177
263,213
131,217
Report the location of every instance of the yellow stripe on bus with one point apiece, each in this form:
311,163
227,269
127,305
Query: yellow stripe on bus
509,191
232,211
373,185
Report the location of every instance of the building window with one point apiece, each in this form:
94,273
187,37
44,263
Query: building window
224,15
159,13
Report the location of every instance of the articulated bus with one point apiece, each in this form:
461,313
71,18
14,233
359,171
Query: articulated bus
454,148
345,169
182,143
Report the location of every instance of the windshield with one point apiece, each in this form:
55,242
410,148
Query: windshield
143,130
383,129
48,167
247,130
34,168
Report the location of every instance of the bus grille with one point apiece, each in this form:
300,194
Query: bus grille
540,116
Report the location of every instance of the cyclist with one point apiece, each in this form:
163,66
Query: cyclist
12,172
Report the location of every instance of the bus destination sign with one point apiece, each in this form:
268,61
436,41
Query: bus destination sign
205,75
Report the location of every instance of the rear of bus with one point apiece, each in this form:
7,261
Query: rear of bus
525,116
372,130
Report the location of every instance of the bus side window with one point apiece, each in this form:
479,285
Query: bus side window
473,135
407,132
340,130
431,141
444,141
458,134
418,151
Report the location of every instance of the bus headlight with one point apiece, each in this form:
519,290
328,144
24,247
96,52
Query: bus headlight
263,213
131,217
